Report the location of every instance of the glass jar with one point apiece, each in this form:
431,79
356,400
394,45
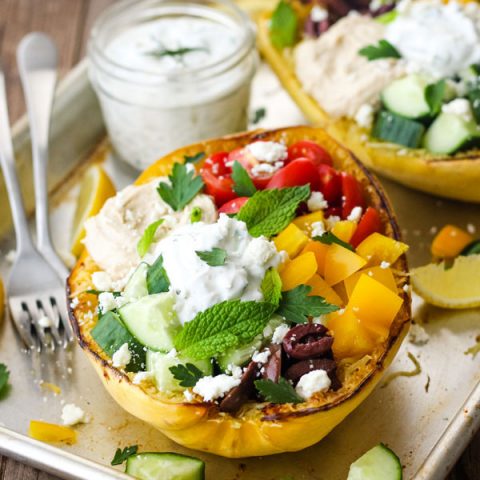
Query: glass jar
169,73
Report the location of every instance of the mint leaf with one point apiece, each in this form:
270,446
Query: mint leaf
215,257
434,95
223,326
196,214
268,212
384,49
258,115
296,306
242,183
184,186
283,25
194,158
188,375
281,392
121,455
157,278
147,238
272,287
328,238
4,375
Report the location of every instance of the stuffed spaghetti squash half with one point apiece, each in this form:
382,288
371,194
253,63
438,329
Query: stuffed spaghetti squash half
248,302
396,82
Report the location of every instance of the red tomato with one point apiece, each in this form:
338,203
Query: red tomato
311,150
233,206
330,183
248,161
352,194
216,175
301,171
369,223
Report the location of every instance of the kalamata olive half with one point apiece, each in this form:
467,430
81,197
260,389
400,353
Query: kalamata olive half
306,341
238,395
273,368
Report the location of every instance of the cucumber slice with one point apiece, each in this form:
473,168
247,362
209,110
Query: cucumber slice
165,466
159,364
379,463
239,356
137,284
152,320
402,131
450,133
110,334
406,97
474,97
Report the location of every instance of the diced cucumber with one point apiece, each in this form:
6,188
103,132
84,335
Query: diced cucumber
137,284
165,466
474,97
159,364
395,129
110,334
239,356
152,320
379,463
450,133
406,97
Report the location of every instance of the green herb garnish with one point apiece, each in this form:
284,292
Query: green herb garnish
122,455
258,115
187,375
268,212
196,214
434,95
98,292
178,52
296,305
272,287
147,238
184,185
4,376
215,257
157,278
194,158
384,49
387,17
281,392
283,25
223,326
328,238
242,183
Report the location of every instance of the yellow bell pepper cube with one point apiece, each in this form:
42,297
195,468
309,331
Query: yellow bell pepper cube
304,222
450,241
344,230
298,271
383,275
320,251
291,240
340,263
52,433
322,289
374,303
378,248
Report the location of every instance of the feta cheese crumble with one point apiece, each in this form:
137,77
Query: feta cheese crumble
355,214
45,321
71,414
142,377
210,388
101,281
316,202
269,152
417,335
106,302
364,116
279,333
459,107
121,358
313,382
261,357
318,229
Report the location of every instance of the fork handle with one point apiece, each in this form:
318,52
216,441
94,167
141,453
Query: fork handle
7,160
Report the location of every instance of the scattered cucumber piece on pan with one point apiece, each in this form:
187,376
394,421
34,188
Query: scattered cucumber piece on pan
472,248
165,466
379,463
396,129
450,133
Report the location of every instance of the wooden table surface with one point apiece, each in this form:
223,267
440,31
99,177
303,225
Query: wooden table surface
69,23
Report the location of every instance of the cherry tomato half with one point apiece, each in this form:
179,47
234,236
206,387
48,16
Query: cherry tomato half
352,194
248,161
217,177
330,183
368,224
301,171
311,150
233,206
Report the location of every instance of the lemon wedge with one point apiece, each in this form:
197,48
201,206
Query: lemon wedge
95,189
455,287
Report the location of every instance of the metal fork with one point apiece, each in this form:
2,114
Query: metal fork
35,289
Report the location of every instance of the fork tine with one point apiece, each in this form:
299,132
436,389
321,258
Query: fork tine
42,332
59,306
22,318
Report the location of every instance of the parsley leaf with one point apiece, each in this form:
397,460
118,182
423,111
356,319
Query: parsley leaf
258,115
121,455
268,212
196,214
328,238
283,25
215,257
223,326
188,375
157,278
147,238
194,158
272,287
4,375
281,392
384,49
434,94
296,305
184,186
242,183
